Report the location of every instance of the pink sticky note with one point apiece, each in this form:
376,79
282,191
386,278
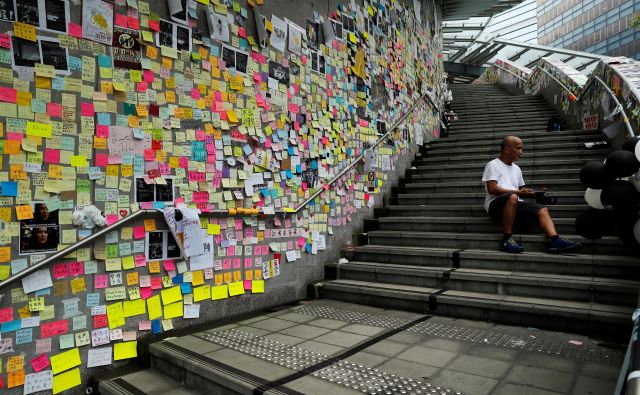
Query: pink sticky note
300,241
144,325
145,293
8,94
60,270
51,155
6,314
133,23
86,109
5,40
242,32
54,328
74,29
102,131
111,218
102,160
140,260
169,265
148,76
40,362
247,285
101,281
76,268
121,20
54,110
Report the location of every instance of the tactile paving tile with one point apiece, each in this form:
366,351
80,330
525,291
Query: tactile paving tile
358,377
559,346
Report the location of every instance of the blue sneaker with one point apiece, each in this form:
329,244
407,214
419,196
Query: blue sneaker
560,245
510,245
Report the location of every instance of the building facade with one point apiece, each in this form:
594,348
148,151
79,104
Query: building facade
597,26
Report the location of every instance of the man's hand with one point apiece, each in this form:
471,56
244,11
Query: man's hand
526,193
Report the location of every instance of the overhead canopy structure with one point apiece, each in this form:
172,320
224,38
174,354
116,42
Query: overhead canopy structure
463,9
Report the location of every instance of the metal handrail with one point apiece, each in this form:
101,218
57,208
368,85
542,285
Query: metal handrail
359,158
509,71
585,90
66,251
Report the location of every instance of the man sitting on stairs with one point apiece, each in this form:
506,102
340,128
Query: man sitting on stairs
505,190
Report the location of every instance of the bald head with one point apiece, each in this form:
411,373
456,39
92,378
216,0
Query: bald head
509,142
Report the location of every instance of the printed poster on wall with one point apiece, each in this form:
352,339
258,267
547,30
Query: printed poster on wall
97,21
40,234
295,37
278,36
126,48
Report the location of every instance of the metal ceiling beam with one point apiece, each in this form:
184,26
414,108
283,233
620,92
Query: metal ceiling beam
490,55
486,50
584,65
517,56
533,62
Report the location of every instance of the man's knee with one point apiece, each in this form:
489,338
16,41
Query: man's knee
513,199
544,212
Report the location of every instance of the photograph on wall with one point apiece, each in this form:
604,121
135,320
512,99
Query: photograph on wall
148,191
242,58
56,14
178,10
278,36
7,10
97,21
348,23
126,48
313,34
229,56
295,37
25,53
53,54
164,192
165,35
218,26
40,234
27,12
279,72
337,29
161,245
183,38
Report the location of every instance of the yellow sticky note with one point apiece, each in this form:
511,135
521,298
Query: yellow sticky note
173,310
24,30
78,161
213,229
115,315
67,380
219,292
232,116
236,288
154,307
5,271
65,361
125,350
197,278
171,295
257,286
201,293
128,262
39,129
24,212
134,307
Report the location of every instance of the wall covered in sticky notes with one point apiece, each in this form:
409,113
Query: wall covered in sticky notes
137,109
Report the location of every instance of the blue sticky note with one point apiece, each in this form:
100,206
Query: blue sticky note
177,279
57,84
24,336
159,205
104,61
42,292
307,248
9,188
185,288
314,164
265,192
104,118
247,149
74,63
289,175
10,326
155,326
93,299
298,169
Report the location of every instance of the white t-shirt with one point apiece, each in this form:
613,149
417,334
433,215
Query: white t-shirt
508,177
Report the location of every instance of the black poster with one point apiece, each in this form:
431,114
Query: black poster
144,192
183,38
27,12
156,245
165,35
41,233
229,57
56,19
126,48
313,38
53,54
164,193
25,53
241,61
7,12
279,72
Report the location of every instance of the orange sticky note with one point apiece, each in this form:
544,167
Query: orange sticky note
149,225
24,212
5,254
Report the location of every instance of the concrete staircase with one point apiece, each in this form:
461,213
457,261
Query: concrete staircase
433,248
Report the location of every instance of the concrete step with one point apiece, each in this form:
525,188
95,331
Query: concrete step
475,198
531,142
485,149
496,136
593,154
147,381
415,175
609,266
488,241
470,210
499,282
568,184
463,225
571,316
535,119
433,164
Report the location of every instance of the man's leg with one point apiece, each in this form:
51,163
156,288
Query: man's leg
546,223
509,214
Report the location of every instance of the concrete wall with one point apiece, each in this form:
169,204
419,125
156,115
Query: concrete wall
407,64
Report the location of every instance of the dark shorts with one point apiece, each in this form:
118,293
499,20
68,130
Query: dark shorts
526,211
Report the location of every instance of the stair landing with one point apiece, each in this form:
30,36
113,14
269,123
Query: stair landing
330,347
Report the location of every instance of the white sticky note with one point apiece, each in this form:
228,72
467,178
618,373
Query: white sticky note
36,382
99,357
37,281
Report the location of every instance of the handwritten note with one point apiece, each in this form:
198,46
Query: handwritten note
125,350
99,357
65,361
66,380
